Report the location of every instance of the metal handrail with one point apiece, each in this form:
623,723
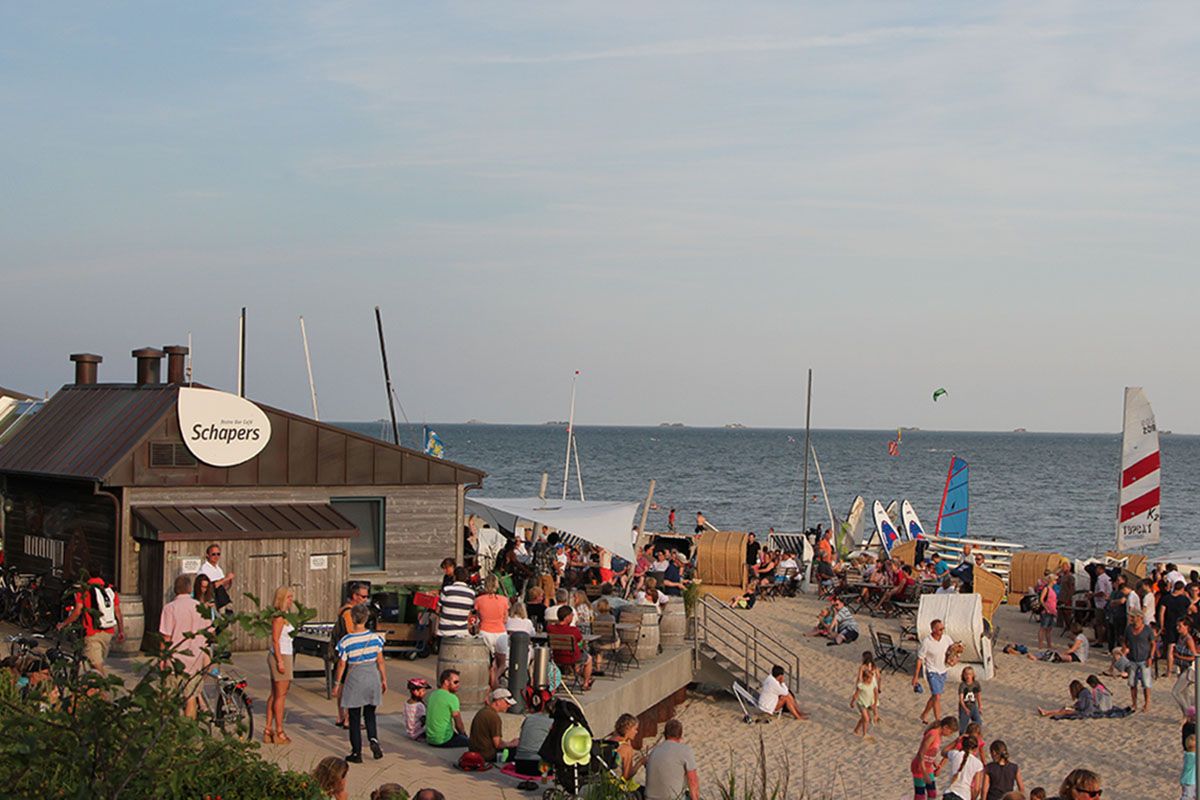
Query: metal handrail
733,632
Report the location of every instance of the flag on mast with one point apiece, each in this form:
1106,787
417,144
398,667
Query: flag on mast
433,444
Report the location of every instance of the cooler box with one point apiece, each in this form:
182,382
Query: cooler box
426,600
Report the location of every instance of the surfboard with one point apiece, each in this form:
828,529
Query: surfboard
913,529
888,535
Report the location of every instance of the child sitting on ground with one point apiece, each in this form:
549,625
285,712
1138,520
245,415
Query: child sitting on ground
414,708
1100,694
1117,668
824,622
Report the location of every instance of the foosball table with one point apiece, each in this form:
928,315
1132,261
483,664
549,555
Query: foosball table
313,640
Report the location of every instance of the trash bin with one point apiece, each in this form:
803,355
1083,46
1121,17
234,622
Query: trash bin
393,603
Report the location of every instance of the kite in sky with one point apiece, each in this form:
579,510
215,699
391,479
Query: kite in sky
938,393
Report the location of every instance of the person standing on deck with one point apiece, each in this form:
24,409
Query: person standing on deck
701,523
671,521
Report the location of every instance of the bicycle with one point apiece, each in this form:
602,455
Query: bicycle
34,610
229,707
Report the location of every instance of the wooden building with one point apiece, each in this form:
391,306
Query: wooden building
102,480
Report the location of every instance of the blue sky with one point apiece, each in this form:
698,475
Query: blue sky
690,202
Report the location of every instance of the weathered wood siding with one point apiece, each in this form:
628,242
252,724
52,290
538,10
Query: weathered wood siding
421,523
260,566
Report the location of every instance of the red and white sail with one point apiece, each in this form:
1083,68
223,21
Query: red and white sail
1139,499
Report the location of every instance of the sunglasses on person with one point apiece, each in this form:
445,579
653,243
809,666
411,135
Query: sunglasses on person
214,553
1091,792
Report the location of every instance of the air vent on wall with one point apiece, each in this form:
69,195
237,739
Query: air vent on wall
170,454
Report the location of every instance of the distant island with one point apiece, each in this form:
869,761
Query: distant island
734,426
1020,430
906,428
474,422
671,425
557,422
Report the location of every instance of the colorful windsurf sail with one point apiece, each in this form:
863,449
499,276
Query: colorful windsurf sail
884,528
1139,501
433,444
893,448
852,528
952,516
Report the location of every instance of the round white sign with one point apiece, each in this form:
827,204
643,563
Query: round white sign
221,429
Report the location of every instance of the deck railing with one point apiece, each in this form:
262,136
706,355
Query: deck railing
746,648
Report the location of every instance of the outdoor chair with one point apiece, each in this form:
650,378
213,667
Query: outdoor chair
749,703
626,650
887,652
562,643
608,643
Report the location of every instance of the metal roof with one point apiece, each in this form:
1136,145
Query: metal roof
264,521
13,393
83,431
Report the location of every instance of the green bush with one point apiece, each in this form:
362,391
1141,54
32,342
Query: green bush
110,740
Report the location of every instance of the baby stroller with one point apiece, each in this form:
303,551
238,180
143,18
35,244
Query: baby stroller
577,759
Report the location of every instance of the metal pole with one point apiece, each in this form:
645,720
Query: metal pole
312,387
387,377
645,511
807,434
241,353
578,471
570,435
187,370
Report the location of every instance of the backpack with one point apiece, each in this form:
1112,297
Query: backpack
104,604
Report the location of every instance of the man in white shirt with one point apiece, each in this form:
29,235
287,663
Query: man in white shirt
1149,612
931,657
220,581
774,696
1174,576
561,597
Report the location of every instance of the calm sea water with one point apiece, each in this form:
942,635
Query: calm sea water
1043,490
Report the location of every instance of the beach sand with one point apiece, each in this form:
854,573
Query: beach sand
1137,757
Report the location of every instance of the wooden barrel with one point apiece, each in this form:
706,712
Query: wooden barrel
673,625
1028,567
133,613
646,645
721,558
468,655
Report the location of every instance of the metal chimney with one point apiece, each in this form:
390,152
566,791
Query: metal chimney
176,363
85,368
149,365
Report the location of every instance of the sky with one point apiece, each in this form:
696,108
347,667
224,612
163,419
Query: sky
691,203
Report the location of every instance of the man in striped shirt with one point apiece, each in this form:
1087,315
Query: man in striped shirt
455,606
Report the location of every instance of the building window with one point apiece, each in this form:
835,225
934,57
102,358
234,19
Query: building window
366,549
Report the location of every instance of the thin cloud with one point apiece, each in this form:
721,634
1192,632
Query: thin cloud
706,47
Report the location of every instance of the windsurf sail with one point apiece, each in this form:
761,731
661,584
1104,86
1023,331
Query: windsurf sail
852,528
889,536
952,516
913,529
1139,497
893,512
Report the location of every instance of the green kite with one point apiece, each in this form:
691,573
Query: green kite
938,393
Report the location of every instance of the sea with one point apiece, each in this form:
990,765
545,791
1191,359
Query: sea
1047,491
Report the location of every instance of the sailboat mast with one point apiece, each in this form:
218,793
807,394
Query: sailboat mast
570,438
241,376
312,387
387,377
825,494
807,434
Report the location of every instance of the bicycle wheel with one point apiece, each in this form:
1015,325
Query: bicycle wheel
232,715
26,614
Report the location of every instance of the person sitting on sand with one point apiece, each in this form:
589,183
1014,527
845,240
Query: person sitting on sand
1101,696
824,621
866,693
924,764
1076,653
774,697
845,627
1118,667
745,600
1083,704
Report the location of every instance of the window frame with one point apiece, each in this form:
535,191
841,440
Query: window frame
381,528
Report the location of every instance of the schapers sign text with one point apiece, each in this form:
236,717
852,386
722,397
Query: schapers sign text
221,429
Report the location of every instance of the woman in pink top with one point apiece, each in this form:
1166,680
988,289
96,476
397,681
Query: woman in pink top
492,608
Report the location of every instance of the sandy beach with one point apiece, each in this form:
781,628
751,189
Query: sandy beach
1137,757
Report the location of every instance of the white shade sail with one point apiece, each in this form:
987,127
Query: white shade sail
608,524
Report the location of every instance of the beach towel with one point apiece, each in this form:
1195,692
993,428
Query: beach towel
1116,713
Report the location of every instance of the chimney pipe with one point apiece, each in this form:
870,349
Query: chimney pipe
176,361
85,368
149,366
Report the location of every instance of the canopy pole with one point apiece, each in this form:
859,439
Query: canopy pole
570,438
645,511
387,377
312,387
